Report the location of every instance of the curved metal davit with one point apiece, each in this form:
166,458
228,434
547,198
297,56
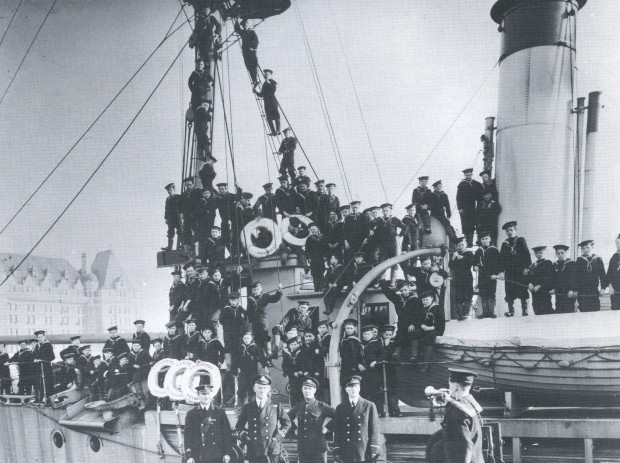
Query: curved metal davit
333,369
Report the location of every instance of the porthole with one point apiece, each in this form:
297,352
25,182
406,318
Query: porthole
58,438
95,443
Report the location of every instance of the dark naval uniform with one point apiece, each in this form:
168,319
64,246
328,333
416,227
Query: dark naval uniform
461,437
268,94
388,245
173,347
5,374
45,354
311,416
176,298
265,206
440,209
421,196
613,277
208,435
487,216
287,150
249,44
263,430
590,272
541,273
563,282
356,431
172,216
467,195
354,231
327,204
118,346
144,338
410,235
351,357
516,258
489,263
462,282
27,379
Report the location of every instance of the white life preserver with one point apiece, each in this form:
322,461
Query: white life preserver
252,228
286,235
436,280
191,374
172,383
153,380
14,372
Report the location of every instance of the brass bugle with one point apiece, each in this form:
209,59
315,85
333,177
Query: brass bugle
437,396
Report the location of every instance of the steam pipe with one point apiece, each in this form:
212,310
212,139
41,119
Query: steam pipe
593,215
333,370
579,150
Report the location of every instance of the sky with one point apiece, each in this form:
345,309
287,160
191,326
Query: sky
415,66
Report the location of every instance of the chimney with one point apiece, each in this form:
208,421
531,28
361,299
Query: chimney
84,269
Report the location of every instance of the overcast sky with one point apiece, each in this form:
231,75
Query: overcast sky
415,65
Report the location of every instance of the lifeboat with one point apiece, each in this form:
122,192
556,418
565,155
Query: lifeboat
574,355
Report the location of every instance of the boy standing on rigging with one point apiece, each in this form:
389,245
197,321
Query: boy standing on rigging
287,150
172,216
268,94
249,44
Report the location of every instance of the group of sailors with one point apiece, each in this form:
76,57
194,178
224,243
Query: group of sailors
576,285
105,376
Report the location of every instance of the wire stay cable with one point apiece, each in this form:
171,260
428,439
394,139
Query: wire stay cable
97,169
359,105
11,21
27,51
443,136
88,129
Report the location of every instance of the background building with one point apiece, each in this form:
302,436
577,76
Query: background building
49,293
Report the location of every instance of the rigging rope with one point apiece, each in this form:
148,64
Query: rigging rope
28,50
88,129
443,136
359,106
11,21
99,166
324,106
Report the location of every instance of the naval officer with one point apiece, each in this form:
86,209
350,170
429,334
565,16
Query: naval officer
356,427
263,425
311,417
208,436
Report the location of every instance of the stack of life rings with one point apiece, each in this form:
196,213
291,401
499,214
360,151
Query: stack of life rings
262,237
180,378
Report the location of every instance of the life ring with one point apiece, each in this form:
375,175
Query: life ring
436,280
250,233
172,380
153,380
187,381
287,236
14,372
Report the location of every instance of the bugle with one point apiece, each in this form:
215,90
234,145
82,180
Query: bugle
439,397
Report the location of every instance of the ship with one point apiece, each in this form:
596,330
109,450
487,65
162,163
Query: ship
535,117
